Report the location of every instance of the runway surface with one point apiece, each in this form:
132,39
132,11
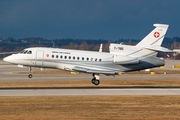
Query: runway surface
9,73
89,92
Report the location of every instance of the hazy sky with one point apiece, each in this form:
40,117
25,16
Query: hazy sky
87,19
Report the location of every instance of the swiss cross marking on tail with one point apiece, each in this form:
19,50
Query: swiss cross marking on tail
156,34
47,55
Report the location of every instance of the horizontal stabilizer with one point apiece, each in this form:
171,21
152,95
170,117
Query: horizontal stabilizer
157,48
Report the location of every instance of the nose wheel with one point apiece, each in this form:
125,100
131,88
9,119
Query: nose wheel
95,79
30,75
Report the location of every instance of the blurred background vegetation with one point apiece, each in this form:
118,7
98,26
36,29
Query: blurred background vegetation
12,45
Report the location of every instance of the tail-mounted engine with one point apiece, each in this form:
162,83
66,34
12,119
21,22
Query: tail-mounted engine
122,60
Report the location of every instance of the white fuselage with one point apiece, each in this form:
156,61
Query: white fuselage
60,58
67,59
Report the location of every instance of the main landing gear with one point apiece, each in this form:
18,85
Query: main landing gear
30,75
95,79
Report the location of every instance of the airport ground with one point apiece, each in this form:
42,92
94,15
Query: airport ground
128,96
90,108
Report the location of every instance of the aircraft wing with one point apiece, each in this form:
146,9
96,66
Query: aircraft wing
8,52
85,70
176,50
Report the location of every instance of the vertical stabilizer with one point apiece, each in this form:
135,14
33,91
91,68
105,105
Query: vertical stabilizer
155,37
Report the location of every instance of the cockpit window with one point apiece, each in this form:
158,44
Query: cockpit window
22,51
29,52
26,52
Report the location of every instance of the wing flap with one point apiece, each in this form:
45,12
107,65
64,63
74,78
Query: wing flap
85,70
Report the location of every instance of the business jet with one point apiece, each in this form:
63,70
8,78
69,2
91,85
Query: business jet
120,59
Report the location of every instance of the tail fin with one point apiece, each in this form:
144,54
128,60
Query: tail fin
148,47
155,37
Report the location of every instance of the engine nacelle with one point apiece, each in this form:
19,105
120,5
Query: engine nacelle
122,60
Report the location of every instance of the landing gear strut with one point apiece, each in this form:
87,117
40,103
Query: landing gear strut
95,79
30,75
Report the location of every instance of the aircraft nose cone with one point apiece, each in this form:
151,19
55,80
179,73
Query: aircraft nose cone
12,59
8,59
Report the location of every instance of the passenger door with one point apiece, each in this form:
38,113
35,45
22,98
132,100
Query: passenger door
39,58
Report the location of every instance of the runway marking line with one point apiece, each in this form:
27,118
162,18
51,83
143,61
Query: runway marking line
141,89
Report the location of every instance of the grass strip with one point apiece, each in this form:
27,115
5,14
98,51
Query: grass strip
90,108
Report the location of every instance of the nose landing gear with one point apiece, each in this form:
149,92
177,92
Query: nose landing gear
30,75
95,79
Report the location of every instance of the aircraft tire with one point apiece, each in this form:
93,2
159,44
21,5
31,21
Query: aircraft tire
96,82
93,80
30,76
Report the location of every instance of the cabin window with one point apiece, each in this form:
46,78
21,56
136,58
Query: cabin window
57,56
87,59
82,58
65,57
100,60
77,58
95,59
61,56
74,57
91,59
69,57
52,56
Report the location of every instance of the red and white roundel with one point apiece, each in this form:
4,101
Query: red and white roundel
156,34
47,55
